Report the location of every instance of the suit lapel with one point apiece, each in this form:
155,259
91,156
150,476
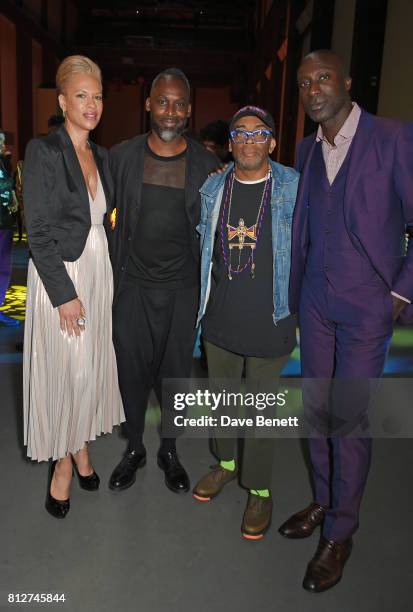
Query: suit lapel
74,174
133,186
301,209
128,180
305,172
359,151
105,179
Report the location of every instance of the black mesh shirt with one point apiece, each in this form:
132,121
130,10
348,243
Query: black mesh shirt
161,252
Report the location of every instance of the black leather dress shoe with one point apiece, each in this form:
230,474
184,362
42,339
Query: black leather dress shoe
326,567
124,474
56,507
88,483
176,479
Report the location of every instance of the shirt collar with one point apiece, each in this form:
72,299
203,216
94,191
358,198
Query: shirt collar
347,130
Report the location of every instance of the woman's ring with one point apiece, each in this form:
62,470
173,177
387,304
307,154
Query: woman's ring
81,322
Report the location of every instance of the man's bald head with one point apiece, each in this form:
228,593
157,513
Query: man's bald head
326,56
324,87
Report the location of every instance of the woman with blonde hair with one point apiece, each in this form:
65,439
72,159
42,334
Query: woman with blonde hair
70,385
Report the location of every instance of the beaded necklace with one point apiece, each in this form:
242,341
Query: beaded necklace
241,231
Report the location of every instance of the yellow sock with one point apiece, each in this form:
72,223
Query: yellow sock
228,465
260,492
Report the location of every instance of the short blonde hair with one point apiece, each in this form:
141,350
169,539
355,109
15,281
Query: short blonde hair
75,64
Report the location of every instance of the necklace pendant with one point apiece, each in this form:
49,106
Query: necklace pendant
229,272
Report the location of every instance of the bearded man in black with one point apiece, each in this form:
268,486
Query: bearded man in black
155,256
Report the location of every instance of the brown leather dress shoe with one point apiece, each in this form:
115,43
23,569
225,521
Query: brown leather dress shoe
326,567
257,517
212,483
302,524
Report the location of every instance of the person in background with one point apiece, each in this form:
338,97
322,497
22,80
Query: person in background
8,211
5,154
18,190
55,122
214,137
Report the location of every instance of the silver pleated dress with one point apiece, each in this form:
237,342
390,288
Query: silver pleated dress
70,385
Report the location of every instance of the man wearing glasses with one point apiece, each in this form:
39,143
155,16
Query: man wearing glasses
245,264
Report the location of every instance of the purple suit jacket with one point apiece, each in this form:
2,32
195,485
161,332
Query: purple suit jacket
378,204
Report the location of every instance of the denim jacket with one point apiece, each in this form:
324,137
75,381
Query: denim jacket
283,196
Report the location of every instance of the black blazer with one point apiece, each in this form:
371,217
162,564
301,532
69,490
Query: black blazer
126,165
57,211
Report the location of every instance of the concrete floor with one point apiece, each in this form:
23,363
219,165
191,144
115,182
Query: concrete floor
150,550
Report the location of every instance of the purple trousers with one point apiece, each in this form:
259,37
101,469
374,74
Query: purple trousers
6,244
344,335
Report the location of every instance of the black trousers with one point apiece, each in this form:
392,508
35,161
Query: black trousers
258,453
153,335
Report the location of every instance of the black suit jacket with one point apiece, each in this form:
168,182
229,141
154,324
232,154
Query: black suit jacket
57,211
126,165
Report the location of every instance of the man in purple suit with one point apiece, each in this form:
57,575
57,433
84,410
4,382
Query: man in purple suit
350,280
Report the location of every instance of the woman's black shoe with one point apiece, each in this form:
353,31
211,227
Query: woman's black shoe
88,483
55,507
